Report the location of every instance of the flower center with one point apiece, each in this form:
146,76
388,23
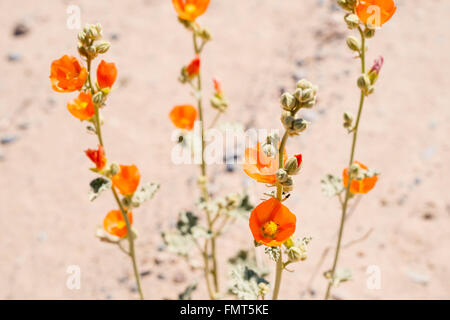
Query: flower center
270,229
190,8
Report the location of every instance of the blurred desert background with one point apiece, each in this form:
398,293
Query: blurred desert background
260,48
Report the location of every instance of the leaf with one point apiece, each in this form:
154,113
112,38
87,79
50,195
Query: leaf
186,221
342,275
245,283
273,253
143,193
98,185
187,293
177,243
331,185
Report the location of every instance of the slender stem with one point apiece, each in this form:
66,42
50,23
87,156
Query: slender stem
131,251
352,155
279,268
204,187
216,118
98,127
130,238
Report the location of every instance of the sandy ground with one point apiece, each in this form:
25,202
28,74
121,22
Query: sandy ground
259,48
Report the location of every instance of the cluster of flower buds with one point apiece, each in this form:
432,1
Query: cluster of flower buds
296,250
193,26
284,175
219,101
270,146
366,82
86,41
348,5
303,97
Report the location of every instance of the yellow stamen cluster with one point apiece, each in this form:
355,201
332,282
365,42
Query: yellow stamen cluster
270,229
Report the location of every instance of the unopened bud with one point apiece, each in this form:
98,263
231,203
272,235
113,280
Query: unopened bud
288,101
369,32
363,82
352,20
348,120
97,98
287,119
304,84
299,125
296,254
103,47
291,166
307,95
281,175
353,43
114,169
269,150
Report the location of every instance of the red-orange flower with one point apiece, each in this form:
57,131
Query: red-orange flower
106,74
82,107
67,74
190,9
217,86
115,224
127,179
375,13
359,185
193,68
259,166
183,116
97,157
272,223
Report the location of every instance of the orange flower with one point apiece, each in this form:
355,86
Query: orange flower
82,107
272,223
217,86
97,157
359,186
375,13
115,224
67,74
194,67
183,116
127,180
259,166
106,74
190,9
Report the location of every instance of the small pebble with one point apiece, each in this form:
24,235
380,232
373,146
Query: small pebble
161,276
20,29
8,139
179,278
14,56
145,273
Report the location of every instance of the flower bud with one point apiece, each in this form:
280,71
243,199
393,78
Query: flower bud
353,43
282,175
299,125
82,50
273,138
363,82
296,254
114,169
298,93
269,150
288,101
98,98
287,119
369,32
81,36
291,166
307,95
103,47
352,20
348,120
288,184
304,84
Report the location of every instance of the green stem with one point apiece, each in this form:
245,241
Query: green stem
98,127
205,193
130,238
352,155
279,268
